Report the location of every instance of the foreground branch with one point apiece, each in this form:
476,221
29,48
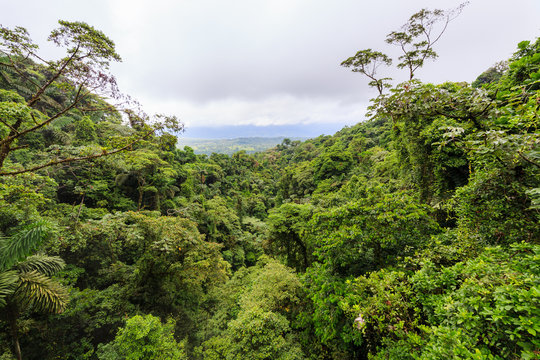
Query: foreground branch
69,160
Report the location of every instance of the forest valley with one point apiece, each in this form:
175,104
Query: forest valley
413,235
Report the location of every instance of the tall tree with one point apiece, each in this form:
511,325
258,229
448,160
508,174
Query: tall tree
415,38
367,62
78,81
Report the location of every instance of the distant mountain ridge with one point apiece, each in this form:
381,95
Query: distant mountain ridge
230,146
268,131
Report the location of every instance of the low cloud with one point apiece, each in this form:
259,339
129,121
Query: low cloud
273,110
215,63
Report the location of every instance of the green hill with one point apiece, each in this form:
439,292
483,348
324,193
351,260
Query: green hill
250,145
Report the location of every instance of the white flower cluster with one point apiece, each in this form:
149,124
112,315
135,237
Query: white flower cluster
360,322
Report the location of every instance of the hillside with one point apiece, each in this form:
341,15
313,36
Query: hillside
229,146
413,235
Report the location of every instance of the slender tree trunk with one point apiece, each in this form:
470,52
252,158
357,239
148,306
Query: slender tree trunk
12,318
140,182
80,207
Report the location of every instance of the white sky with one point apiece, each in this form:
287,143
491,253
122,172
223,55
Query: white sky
272,62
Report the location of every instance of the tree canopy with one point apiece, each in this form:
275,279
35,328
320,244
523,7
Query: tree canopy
412,235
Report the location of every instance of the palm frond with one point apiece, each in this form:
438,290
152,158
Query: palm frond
41,292
20,245
5,67
46,265
6,75
8,281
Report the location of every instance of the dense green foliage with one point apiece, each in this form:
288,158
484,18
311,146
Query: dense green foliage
413,235
143,338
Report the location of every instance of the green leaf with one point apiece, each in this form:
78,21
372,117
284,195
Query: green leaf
19,246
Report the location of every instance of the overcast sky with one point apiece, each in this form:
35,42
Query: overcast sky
216,63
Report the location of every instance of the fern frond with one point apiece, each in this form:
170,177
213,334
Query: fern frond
21,89
56,135
20,245
48,100
6,68
62,121
8,280
41,292
4,76
46,265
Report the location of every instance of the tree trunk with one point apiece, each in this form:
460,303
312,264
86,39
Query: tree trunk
80,207
141,183
12,318
4,152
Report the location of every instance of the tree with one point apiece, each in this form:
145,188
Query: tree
366,62
491,75
369,233
25,280
265,299
288,225
78,82
144,338
422,115
415,39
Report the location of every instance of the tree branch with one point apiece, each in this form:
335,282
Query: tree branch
12,137
53,78
9,126
21,74
69,160
528,160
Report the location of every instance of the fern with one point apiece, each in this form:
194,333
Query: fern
4,77
62,122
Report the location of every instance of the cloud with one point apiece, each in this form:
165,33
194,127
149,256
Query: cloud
272,110
273,61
